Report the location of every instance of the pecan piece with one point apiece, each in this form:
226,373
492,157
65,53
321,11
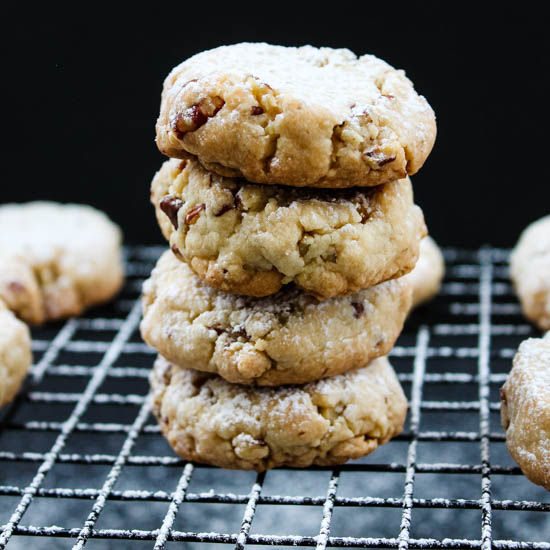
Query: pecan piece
193,213
176,251
16,287
387,160
167,375
225,208
170,205
189,82
239,332
379,157
196,116
359,309
363,206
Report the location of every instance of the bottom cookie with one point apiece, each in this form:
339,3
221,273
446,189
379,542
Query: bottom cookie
207,419
15,354
525,409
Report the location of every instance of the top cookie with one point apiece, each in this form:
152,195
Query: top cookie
295,116
57,259
530,272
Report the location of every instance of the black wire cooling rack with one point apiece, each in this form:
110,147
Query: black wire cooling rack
82,462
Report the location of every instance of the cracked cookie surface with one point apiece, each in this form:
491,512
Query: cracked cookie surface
525,409
57,259
295,116
428,272
207,419
252,239
530,272
15,354
287,338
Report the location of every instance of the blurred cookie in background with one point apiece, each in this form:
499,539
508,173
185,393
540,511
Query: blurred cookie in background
530,272
428,273
57,259
525,409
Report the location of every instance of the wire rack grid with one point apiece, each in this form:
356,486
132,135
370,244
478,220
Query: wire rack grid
82,462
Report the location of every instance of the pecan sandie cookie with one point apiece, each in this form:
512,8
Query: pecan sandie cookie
316,117
207,419
525,409
287,338
57,259
530,272
252,239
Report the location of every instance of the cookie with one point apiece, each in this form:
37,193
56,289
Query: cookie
15,354
525,409
207,419
530,272
287,338
252,239
295,116
57,259
428,273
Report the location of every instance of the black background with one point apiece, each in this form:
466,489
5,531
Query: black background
83,95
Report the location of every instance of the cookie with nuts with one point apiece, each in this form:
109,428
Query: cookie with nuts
530,272
57,259
525,409
15,354
206,419
316,117
253,239
287,338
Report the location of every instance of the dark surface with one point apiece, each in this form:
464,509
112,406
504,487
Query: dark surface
83,95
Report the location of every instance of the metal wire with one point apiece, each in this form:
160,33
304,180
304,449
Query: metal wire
103,351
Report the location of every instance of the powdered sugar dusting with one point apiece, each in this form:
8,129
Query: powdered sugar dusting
228,424
289,337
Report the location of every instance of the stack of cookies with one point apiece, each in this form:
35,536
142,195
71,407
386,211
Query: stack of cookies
291,223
